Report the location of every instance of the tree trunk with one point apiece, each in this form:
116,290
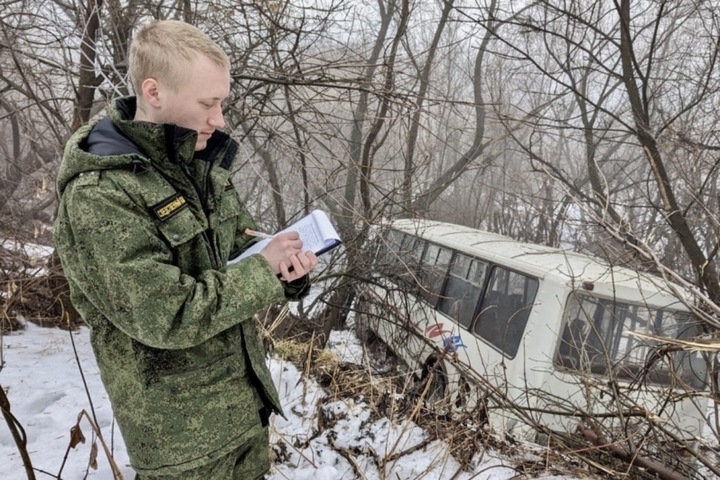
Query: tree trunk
88,80
415,121
422,203
706,271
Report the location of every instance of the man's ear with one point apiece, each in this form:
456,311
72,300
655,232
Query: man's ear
151,92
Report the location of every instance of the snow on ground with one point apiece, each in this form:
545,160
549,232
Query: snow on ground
46,396
46,392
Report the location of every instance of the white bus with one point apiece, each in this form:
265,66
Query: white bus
542,328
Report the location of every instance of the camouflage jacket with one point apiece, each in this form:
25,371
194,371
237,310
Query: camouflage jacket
144,230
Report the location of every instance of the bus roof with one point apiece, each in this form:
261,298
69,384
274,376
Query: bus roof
564,266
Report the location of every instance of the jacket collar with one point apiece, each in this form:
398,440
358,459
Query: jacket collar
159,142
169,142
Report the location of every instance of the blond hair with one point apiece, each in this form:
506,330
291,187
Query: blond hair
161,49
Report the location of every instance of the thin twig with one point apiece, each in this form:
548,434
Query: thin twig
116,475
17,432
115,469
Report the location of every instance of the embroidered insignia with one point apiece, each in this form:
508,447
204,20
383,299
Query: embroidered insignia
169,207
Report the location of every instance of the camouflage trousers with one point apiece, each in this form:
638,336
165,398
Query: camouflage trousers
251,461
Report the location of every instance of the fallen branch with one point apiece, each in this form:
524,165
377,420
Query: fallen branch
694,345
351,460
419,446
17,432
650,465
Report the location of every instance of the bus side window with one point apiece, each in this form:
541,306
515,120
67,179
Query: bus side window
628,355
505,309
463,289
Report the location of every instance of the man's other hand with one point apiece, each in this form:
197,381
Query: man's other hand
285,251
301,263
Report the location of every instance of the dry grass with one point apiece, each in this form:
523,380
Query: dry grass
397,396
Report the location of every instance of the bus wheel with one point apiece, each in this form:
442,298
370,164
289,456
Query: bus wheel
434,381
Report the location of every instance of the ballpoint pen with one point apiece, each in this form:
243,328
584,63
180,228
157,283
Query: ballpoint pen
255,233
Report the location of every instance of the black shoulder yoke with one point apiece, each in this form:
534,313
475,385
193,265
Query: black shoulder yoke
106,139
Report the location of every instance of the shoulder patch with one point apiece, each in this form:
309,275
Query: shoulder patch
169,207
228,185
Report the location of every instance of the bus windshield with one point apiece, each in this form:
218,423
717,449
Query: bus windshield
596,340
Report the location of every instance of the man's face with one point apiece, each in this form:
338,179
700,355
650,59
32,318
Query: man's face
197,101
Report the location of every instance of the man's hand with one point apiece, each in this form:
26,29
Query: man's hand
301,263
285,251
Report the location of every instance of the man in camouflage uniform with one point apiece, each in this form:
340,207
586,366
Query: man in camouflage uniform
148,219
